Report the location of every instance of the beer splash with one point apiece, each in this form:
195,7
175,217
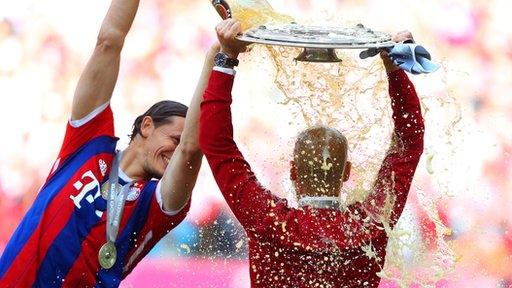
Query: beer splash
252,13
352,96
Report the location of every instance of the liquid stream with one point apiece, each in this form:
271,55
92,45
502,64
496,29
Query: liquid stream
352,97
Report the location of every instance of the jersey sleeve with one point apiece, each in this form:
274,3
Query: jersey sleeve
397,170
161,221
99,122
238,184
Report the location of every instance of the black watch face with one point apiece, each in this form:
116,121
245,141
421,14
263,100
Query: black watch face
220,59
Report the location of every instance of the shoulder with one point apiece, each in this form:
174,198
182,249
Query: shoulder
80,132
77,123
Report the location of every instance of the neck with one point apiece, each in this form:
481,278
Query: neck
132,162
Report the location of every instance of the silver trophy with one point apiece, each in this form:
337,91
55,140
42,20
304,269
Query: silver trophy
319,43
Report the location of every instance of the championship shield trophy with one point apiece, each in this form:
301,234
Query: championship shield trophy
262,25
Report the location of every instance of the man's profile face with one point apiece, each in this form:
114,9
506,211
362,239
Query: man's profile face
160,144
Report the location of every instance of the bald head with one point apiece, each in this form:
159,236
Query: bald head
320,156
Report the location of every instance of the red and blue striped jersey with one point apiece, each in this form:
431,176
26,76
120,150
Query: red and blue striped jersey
58,240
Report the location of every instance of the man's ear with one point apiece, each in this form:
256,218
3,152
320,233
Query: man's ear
346,171
146,126
293,171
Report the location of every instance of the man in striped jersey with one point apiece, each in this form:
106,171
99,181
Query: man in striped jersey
100,210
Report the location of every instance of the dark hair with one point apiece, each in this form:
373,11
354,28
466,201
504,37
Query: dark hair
160,113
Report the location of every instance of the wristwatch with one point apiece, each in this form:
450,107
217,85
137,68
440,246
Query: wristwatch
222,60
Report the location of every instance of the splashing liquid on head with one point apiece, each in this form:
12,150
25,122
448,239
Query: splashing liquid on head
354,99
352,96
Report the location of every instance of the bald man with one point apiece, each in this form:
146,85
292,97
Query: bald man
322,243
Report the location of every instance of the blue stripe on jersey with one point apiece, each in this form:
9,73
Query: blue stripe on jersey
67,246
102,144
126,240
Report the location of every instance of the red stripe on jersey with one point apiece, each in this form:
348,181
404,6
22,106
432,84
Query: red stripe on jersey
23,269
158,224
102,124
86,265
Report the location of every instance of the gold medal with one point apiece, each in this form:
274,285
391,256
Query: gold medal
107,255
104,190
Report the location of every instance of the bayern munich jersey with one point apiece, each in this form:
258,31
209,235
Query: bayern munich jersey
57,242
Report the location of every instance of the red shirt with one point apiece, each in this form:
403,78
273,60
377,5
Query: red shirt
311,247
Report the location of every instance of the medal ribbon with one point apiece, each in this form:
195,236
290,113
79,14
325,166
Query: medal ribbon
115,201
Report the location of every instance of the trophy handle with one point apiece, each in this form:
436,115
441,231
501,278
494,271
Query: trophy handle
222,8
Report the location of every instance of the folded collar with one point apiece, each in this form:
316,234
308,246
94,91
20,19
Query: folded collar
324,202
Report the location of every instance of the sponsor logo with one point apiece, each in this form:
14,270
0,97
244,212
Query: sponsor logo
103,167
89,188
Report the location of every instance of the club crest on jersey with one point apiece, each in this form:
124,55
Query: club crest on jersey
103,167
134,192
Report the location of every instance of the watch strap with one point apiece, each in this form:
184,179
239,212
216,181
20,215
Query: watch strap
222,60
231,62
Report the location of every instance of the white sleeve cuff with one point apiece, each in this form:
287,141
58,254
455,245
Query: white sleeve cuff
80,122
225,70
159,199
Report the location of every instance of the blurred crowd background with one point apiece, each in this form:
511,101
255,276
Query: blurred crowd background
44,45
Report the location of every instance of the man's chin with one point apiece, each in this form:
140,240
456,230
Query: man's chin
154,174
158,175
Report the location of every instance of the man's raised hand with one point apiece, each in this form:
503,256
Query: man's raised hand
400,37
227,30
403,36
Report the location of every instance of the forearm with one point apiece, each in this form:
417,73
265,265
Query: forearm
388,64
118,21
216,129
397,170
181,174
244,195
407,118
190,137
97,82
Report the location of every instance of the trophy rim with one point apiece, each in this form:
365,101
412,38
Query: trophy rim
254,35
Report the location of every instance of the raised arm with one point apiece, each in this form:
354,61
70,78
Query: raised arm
244,195
397,170
260,212
99,77
181,174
